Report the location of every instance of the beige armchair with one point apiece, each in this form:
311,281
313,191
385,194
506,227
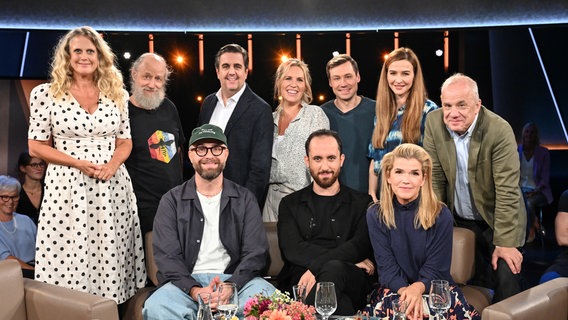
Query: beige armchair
35,300
548,301
133,307
462,269
276,262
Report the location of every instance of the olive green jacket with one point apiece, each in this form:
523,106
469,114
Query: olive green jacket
493,172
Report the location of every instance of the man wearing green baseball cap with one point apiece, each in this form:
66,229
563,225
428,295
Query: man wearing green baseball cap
201,230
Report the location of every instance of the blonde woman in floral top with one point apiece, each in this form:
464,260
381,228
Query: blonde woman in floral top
294,120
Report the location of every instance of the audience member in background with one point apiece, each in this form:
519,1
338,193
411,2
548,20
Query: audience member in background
17,231
401,110
294,120
208,230
535,176
476,173
31,172
155,164
324,230
351,116
88,234
245,119
560,266
411,233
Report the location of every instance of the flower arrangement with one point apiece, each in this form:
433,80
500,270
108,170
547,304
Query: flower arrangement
277,306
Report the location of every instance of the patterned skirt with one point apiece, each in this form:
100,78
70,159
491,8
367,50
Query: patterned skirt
381,298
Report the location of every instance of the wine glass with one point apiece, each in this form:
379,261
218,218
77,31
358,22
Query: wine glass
326,301
228,300
439,297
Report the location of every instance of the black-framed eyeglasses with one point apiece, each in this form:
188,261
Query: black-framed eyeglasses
6,198
36,165
202,150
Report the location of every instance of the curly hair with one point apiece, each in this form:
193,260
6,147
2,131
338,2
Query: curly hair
107,77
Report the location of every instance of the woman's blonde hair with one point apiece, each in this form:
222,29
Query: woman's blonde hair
283,69
429,207
107,77
386,109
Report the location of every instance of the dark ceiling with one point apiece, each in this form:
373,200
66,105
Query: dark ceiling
278,15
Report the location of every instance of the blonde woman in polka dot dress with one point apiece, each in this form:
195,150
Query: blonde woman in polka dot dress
88,236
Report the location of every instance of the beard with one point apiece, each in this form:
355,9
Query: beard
209,174
148,102
325,182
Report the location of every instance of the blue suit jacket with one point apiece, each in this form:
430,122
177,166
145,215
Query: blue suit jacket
249,138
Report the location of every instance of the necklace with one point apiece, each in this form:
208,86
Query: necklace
6,222
32,193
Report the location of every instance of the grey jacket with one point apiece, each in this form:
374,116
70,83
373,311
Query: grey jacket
178,230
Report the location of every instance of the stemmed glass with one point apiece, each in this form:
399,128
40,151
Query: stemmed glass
439,298
228,300
326,301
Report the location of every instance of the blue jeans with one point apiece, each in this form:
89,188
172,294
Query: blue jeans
170,302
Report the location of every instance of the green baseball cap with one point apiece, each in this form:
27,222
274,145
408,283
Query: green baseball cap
207,132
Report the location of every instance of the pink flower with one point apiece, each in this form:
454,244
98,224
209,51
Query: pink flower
279,315
300,311
250,305
277,306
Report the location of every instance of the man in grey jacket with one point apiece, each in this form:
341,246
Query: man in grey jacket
207,231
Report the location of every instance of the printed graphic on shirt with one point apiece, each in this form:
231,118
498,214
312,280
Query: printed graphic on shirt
162,146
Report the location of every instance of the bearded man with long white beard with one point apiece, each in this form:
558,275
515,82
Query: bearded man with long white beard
155,163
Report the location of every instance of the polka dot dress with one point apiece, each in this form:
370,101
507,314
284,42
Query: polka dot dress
88,235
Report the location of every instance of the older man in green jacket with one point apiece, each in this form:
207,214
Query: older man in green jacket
476,173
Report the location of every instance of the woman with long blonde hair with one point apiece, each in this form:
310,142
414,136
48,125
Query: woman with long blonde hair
411,233
401,109
294,120
88,234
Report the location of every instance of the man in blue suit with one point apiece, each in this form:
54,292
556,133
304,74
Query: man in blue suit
246,120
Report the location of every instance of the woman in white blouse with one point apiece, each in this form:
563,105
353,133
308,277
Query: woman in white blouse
294,120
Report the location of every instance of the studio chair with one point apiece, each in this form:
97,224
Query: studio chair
548,301
276,262
462,269
133,307
34,300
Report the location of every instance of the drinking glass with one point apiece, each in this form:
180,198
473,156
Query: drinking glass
399,309
204,311
299,293
439,298
326,301
228,300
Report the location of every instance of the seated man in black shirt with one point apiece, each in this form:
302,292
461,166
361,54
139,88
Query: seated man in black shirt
560,266
325,230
